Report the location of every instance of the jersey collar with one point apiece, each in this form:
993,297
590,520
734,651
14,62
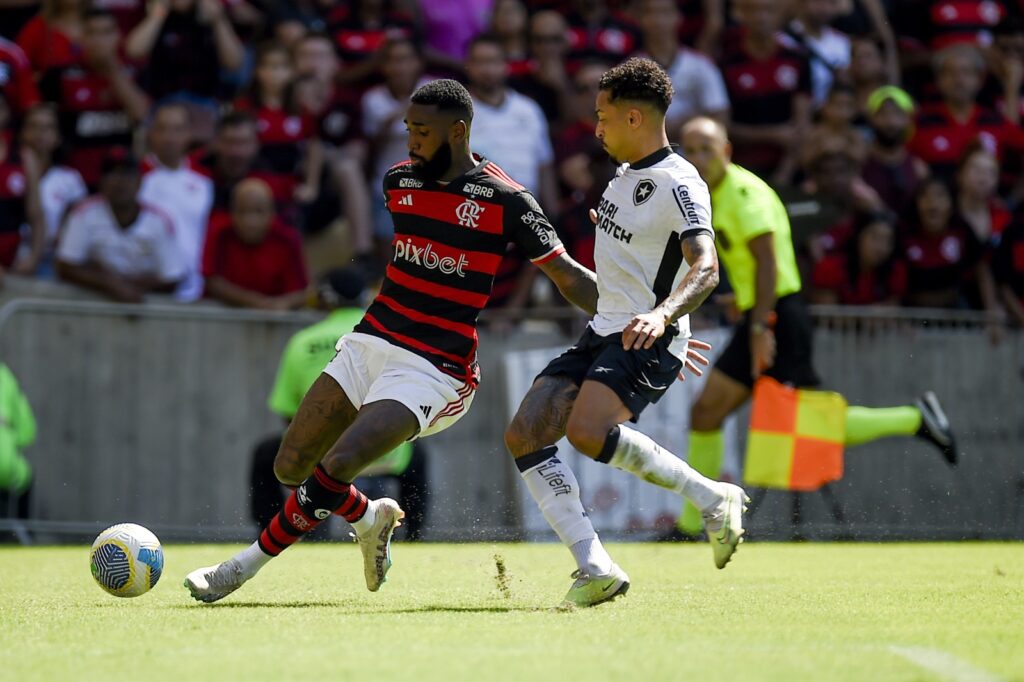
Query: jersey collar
652,159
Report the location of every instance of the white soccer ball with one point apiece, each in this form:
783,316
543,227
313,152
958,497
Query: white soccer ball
126,560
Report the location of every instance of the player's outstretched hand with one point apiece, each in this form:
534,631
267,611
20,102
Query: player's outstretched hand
693,356
642,331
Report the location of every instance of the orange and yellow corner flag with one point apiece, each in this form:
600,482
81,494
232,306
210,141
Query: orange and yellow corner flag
796,437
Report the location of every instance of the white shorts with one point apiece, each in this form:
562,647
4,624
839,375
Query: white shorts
369,369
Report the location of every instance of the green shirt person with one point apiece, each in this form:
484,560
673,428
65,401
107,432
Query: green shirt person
17,431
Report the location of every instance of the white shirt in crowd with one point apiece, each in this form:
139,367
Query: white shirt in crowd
59,189
644,214
379,105
186,197
828,53
513,135
698,84
145,248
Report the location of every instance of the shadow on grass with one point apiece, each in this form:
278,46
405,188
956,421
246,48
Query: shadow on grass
429,608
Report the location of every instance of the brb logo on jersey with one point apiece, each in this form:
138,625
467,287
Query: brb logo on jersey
468,213
425,256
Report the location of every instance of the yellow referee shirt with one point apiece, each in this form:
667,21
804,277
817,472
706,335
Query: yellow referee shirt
743,206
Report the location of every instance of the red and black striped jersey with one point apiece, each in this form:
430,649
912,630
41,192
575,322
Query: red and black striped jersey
448,245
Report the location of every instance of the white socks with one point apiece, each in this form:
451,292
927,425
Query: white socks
252,559
557,493
363,525
639,455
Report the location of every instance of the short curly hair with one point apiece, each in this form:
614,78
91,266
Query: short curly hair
446,95
638,79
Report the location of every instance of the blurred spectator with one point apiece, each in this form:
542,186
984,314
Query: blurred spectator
450,25
359,28
584,169
834,127
60,187
383,114
510,24
288,142
545,79
769,85
699,88
14,14
977,180
510,130
114,244
299,17
934,25
828,49
19,208
252,259
52,39
234,156
184,195
945,128
702,25
17,432
1008,267
186,46
866,271
595,32
17,83
940,252
1002,89
867,72
890,169
337,113
822,210
870,19
129,13
97,100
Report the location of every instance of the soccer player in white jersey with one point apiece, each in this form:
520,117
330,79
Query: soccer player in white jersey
654,216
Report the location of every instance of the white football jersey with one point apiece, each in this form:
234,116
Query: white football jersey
646,211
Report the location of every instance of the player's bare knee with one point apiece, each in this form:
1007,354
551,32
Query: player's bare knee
518,439
587,437
286,471
705,418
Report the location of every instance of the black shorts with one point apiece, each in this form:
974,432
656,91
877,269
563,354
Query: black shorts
794,333
638,377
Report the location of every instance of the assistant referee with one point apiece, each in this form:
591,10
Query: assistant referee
774,336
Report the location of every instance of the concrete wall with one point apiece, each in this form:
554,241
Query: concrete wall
149,414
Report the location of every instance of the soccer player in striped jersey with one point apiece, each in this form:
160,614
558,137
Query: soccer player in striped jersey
656,262
409,368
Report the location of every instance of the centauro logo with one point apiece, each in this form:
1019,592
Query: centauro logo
425,256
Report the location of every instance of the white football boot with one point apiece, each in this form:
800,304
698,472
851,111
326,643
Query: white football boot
213,583
724,523
376,543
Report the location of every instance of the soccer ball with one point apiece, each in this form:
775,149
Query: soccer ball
126,560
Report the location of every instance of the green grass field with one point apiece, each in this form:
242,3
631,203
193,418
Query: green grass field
778,612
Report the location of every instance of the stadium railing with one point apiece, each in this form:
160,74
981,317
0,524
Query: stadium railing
149,414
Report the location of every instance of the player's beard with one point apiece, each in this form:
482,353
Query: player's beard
434,168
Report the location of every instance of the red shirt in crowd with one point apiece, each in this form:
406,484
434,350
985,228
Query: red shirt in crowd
16,81
273,267
12,210
46,47
939,139
1008,263
940,264
831,274
613,40
281,134
91,119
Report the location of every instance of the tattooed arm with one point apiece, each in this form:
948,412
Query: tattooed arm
577,284
696,285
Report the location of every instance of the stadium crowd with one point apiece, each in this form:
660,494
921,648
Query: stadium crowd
234,149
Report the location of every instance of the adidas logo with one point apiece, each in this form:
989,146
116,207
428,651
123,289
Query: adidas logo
406,200
425,409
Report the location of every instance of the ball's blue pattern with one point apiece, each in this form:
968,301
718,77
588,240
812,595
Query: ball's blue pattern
154,558
112,566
